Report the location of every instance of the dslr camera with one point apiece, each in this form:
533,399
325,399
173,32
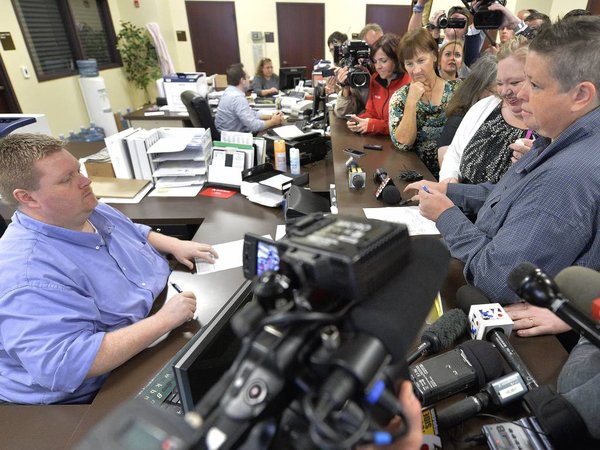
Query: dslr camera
483,18
356,55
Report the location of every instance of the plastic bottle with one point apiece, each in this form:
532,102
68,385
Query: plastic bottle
280,159
294,161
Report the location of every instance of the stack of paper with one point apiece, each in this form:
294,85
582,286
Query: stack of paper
119,190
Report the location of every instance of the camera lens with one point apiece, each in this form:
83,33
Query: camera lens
359,79
443,22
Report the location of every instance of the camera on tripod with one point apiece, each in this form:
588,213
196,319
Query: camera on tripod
356,55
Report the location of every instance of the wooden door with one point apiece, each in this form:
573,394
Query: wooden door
593,6
392,18
213,34
8,99
301,30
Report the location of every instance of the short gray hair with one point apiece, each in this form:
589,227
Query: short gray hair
18,154
572,49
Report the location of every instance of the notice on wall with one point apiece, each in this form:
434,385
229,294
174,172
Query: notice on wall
6,40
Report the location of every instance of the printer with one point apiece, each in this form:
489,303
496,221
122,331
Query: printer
176,83
23,123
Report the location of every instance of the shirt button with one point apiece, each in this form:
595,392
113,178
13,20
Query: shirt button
143,284
124,269
97,247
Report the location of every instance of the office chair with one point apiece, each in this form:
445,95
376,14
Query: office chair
199,112
2,225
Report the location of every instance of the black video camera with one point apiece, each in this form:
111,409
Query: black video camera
452,22
483,18
356,55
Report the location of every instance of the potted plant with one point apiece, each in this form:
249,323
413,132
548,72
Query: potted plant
139,57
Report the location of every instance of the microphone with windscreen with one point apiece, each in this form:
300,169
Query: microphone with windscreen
386,191
581,285
441,335
536,287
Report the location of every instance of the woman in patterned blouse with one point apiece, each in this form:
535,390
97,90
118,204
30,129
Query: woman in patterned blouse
417,111
482,147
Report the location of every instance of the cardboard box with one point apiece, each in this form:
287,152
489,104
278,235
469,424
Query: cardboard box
99,169
220,81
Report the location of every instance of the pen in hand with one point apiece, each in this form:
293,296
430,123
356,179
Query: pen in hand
177,288
426,190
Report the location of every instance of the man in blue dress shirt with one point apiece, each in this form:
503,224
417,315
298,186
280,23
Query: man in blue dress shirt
545,209
77,279
234,112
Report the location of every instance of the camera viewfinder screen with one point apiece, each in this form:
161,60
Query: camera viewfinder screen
267,257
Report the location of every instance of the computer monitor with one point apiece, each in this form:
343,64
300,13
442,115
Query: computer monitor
210,352
289,77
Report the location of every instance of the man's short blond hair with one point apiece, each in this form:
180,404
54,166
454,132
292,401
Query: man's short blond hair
18,154
369,27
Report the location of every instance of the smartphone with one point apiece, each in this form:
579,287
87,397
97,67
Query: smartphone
259,255
350,118
353,152
373,147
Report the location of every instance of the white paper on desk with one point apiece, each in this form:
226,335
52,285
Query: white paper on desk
288,132
280,232
230,257
409,215
180,191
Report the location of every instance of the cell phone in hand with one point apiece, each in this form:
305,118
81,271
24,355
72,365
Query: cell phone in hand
351,118
353,152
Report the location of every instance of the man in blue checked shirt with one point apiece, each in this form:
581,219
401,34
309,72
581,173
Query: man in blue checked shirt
545,209
77,279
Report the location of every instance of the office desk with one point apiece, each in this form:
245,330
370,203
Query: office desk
352,201
139,119
223,220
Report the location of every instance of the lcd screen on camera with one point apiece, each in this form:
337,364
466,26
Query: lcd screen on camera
267,257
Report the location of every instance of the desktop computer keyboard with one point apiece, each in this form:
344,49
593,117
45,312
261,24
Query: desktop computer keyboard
162,390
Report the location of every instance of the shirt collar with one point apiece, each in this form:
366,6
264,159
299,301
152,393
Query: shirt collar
543,148
102,224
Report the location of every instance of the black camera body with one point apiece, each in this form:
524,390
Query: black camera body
355,55
484,19
451,22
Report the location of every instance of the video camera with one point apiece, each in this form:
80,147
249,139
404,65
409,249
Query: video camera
308,374
452,22
483,18
356,55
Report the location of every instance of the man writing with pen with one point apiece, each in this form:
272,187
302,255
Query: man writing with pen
78,279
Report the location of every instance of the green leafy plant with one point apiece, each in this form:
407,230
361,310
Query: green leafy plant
140,60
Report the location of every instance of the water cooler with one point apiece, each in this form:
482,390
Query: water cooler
97,103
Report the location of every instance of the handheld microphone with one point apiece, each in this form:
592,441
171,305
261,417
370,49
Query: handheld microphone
386,191
493,331
532,284
497,393
470,365
441,334
581,285
357,177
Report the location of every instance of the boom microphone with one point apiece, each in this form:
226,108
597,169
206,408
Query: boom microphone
532,284
442,334
581,286
396,311
386,190
469,365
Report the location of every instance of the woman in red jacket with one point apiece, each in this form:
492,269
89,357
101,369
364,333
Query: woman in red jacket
389,78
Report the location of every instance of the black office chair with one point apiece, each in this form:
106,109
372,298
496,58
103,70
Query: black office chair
199,112
2,225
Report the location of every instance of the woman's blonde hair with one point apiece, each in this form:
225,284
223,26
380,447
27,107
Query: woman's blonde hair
516,47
